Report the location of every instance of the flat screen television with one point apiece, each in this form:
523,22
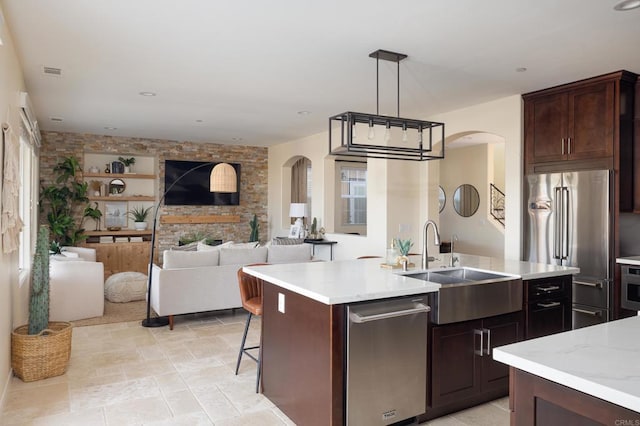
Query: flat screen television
193,188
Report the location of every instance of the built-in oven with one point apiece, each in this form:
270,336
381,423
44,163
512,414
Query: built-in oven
630,287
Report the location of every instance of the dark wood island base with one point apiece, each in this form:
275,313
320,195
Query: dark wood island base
537,401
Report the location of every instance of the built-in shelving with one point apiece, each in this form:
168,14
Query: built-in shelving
119,175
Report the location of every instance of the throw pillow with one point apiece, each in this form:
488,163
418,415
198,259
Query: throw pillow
205,247
283,241
125,287
189,259
289,254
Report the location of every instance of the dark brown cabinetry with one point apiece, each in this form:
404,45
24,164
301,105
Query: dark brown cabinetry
547,306
570,125
462,370
583,125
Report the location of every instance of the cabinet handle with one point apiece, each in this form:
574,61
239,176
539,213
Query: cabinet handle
569,146
488,341
549,305
584,311
550,288
596,285
562,145
481,333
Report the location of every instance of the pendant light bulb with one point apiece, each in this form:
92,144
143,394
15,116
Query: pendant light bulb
372,133
387,133
420,135
353,131
405,137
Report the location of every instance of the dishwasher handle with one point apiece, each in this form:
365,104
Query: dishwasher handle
418,309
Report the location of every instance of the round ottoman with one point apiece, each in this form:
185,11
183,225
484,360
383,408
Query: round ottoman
125,287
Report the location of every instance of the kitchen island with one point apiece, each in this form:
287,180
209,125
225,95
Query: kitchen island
586,376
304,323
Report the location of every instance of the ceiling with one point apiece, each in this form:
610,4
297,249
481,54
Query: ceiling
239,72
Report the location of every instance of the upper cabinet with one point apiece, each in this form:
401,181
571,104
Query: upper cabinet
577,125
584,125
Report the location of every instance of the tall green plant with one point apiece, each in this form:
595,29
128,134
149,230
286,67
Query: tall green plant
255,226
59,201
39,298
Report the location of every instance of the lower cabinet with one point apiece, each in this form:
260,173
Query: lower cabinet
462,370
547,306
122,257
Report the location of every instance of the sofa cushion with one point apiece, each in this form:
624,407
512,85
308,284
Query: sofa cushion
289,254
125,287
242,256
190,259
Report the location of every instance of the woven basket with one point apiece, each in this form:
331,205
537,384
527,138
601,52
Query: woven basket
39,356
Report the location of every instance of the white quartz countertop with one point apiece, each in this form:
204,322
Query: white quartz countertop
631,260
601,360
360,280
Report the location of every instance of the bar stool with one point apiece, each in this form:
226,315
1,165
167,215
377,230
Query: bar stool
251,296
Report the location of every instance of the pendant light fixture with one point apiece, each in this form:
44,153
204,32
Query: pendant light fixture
415,144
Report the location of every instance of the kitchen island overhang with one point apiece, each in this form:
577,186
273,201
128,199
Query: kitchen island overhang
599,363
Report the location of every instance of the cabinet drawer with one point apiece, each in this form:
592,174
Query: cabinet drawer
552,288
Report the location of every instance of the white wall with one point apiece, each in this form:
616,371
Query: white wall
400,192
477,234
12,306
502,117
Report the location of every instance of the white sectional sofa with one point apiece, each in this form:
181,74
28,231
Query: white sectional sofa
206,280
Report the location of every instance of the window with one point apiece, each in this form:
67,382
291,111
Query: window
27,206
351,179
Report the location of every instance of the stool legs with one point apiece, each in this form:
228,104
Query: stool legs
244,349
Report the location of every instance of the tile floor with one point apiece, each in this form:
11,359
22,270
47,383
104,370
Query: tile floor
125,374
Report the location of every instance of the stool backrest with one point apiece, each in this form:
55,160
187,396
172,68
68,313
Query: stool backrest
250,286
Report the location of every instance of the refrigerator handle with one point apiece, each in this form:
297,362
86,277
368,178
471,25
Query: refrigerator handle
558,223
565,223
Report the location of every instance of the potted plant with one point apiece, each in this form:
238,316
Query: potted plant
62,201
255,226
139,216
128,162
93,213
40,349
403,247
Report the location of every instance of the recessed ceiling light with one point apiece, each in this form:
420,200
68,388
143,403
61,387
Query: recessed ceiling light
236,139
147,93
304,112
627,5
521,69
110,128
198,121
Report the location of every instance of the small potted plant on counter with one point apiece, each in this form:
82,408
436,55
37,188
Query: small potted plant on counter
139,216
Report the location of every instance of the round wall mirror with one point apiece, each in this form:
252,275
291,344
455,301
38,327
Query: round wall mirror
466,200
117,186
442,199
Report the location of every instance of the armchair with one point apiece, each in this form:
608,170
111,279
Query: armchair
76,286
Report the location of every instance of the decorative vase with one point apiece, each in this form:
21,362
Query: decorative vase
140,226
127,169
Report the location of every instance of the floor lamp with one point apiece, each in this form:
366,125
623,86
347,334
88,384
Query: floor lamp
223,178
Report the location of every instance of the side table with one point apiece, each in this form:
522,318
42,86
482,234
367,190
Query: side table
315,243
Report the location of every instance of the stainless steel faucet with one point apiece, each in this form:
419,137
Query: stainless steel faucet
436,241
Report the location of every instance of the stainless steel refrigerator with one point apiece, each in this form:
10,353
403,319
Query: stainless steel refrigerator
567,221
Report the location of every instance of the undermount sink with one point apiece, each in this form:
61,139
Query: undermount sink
467,294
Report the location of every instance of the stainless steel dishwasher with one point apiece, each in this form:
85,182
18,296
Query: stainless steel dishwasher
386,360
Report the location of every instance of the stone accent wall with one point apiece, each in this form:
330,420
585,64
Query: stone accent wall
253,183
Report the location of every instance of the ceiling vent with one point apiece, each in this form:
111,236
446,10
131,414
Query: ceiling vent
57,119
57,72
